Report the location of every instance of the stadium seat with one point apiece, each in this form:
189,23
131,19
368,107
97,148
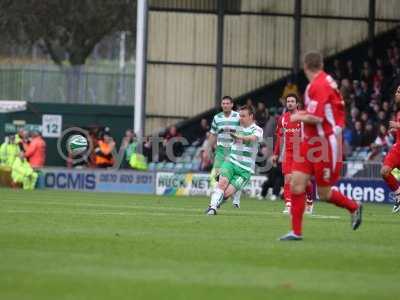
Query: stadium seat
152,166
160,165
170,166
179,167
187,167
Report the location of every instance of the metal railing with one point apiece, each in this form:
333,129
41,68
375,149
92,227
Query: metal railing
66,86
361,170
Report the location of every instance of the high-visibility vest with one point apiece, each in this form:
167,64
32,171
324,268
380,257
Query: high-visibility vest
8,153
138,161
106,158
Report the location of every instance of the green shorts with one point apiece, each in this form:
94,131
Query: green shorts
221,153
237,176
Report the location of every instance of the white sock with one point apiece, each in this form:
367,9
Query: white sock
216,198
236,197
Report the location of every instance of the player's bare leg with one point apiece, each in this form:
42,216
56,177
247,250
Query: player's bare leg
286,194
393,184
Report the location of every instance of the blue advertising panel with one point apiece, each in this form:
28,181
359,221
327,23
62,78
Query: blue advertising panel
369,190
98,180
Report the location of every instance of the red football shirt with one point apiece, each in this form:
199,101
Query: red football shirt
323,100
397,118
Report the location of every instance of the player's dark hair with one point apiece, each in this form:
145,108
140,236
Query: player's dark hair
293,95
313,60
227,98
249,108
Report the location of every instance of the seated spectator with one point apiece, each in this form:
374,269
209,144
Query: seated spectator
171,142
35,150
384,139
22,173
369,135
375,154
202,132
357,136
104,152
382,117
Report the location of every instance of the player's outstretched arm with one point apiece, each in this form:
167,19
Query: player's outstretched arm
305,118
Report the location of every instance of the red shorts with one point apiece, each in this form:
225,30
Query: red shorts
287,163
324,164
392,159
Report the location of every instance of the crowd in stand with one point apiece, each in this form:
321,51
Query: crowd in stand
368,94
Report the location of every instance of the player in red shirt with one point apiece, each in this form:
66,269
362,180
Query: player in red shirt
287,134
392,159
319,153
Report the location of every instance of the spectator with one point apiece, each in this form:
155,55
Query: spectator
35,151
350,72
104,152
205,158
23,173
202,132
364,117
261,115
274,180
354,115
369,135
128,147
375,154
9,151
357,136
384,139
249,102
290,88
270,123
171,139
148,149
382,117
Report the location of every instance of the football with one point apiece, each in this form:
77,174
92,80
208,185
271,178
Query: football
77,144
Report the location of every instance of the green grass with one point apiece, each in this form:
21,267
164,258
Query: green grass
64,245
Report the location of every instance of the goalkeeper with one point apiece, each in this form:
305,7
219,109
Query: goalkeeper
223,124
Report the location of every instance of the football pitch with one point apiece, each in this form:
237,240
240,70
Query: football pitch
69,245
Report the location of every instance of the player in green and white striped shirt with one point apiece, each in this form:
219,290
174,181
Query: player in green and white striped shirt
236,172
223,124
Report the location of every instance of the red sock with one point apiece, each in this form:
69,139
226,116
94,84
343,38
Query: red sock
391,182
341,200
286,193
297,211
309,193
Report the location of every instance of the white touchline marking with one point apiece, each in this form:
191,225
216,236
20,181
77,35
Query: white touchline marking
324,217
242,213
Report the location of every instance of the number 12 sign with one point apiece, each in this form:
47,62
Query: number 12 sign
51,126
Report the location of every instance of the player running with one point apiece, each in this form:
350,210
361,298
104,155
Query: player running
286,134
236,172
320,153
223,124
392,159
